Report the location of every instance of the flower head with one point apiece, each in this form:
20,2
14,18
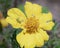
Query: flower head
34,25
3,22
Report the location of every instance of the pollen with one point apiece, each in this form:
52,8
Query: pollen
32,25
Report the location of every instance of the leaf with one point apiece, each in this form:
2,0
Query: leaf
14,42
21,7
55,27
18,31
45,10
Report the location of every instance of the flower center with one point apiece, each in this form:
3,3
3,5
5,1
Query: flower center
31,25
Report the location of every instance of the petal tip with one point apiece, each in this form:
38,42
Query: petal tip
27,2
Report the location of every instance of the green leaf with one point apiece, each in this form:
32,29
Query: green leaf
21,7
14,42
45,10
18,31
55,27
15,32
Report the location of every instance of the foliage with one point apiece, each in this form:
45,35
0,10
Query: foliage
4,6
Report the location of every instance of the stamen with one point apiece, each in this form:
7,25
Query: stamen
31,25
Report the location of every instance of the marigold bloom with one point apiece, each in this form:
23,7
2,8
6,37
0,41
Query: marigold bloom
3,21
34,25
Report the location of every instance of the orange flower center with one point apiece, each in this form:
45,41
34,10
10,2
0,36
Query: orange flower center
31,25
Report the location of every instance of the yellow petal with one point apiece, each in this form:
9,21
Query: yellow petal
20,39
29,41
4,23
47,26
15,13
44,35
32,9
26,40
46,21
28,9
13,22
37,9
45,17
39,40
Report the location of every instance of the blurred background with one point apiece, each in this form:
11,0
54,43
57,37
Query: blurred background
7,38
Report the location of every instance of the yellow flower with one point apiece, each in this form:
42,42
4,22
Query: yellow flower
34,25
3,21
